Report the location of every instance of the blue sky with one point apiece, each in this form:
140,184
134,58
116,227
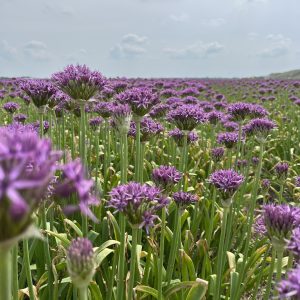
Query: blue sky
150,38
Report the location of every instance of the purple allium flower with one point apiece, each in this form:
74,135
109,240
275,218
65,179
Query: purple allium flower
186,117
279,221
282,169
104,109
40,91
294,242
297,181
217,154
260,128
58,98
257,111
255,160
227,182
159,111
95,122
20,118
73,182
183,199
239,111
228,139
231,126
290,288
79,82
27,165
46,125
141,100
121,117
265,184
241,163
138,202
166,177
149,128
11,107
81,262
214,117
177,135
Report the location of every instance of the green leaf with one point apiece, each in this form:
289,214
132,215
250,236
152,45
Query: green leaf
95,291
106,245
115,225
147,290
197,292
74,227
234,282
62,237
102,255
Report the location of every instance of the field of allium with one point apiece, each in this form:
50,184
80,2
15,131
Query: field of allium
149,188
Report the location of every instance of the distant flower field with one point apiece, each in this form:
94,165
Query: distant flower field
182,189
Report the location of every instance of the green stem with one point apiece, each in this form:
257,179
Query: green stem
279,265
6,276
83,293
174,244
138,149
212,215
132,262
269,283
15,283
221,254
27,268
184,160
161,254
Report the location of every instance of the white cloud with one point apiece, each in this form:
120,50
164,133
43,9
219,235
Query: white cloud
279,46
196,50
36,50
181,18
215,22
7,51
131,45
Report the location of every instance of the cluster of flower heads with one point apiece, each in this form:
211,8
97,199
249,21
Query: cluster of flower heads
79,82
139,202
165,177
11,107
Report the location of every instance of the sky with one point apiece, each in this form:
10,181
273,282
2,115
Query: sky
150,38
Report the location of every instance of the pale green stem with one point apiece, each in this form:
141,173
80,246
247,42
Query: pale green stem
132,262
27,268
6,274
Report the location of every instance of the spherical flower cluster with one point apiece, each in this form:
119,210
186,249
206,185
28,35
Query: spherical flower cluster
149,128
95,122
11,107
282,169
81,262
297,181
27,165
79,82
139,202
159,111
239,111
257,111
141,100
178,136
214,117
73,182
290,288
265,184
217,154
104,109
278,221
40,91
294,242
227,182
165,177
20,118
228,139
187,116
230,126
260,128
59,98
184,199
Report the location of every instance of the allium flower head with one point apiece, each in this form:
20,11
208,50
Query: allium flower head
149,128
214,117
231,126
81,262
95,122
20,118
217,153
159,111
186,117
104,109
40,91
166,177
279,221
228,139
79,82
290,288
257,111
260,128
297,181
178,136
282,169
227,182
184,199
27,165
141,100
294,242
73,182
11,107
265,184
139,202
239,111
